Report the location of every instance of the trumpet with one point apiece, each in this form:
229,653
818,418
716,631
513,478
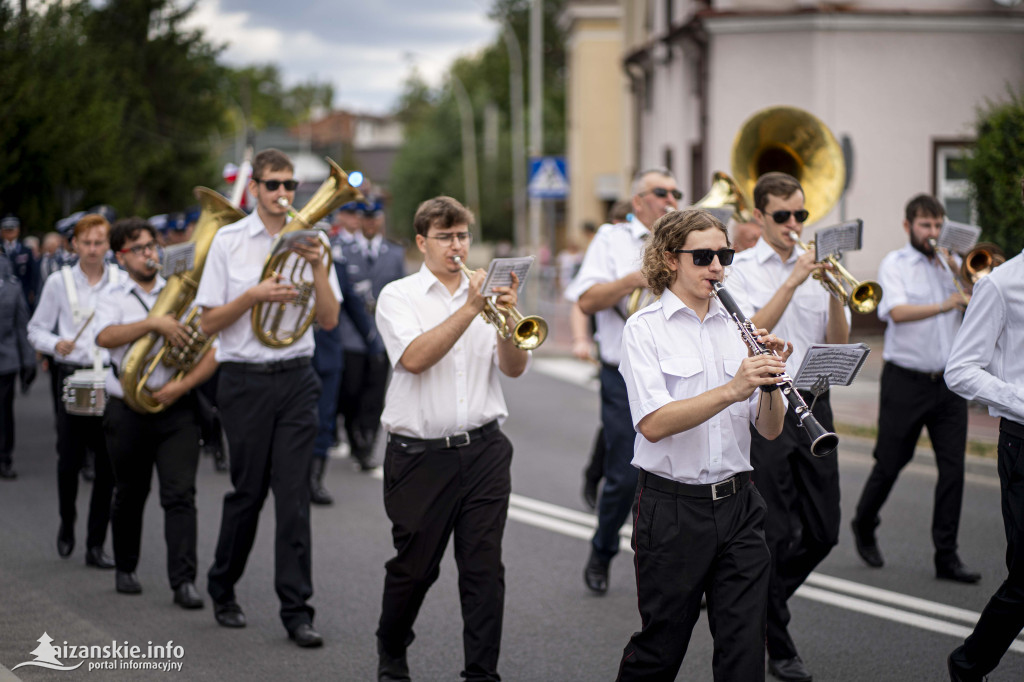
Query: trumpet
956,280
527,332
863,297
823,442
980,261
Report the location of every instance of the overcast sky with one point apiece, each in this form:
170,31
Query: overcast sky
365,48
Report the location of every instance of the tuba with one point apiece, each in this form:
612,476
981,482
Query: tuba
150,351
726,199
278,325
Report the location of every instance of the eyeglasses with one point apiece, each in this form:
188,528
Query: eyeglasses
781,217
272,185
140,249
661,193
447,239
702,257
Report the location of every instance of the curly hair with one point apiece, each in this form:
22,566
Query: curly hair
669,233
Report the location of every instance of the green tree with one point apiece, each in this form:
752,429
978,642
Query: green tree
995,171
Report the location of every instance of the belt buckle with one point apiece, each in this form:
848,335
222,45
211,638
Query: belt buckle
450,443
715,487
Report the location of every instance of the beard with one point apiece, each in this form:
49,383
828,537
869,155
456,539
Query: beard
143,276
923,246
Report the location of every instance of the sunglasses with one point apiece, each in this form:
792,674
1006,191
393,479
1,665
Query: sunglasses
781,217
661,193
702,257
272,185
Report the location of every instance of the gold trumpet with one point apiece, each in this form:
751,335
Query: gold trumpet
980,261
527,333
863,297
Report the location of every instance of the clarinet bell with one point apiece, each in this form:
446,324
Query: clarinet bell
823,443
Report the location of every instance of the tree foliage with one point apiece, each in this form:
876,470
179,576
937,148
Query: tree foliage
430,160
995,171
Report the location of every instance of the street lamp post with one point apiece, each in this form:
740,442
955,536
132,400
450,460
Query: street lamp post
469,169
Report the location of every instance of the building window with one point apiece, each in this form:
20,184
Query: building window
951,186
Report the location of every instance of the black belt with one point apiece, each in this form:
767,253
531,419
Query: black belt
933,377
456,440
266,367
1011,427
713,491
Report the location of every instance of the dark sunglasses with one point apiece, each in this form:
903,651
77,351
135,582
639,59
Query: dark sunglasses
661,193
702,257
781,217
272,185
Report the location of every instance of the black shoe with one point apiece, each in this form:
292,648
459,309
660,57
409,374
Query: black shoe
220,462
365,460
318,494
127,583
391,668
88,472
789,669
306,637
97,558
65,540
229,614
595,575
867,546
956,675
187,596
7,471
953,569
590,493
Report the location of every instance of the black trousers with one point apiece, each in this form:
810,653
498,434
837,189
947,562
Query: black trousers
7,382
270,422
428,495
364,381
909,401
170,441
1003,617
75,435
683,548
802,526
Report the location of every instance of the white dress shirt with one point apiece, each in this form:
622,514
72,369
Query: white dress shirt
987,361
461,391
121,304
757,273
669,354
615,252
233,265
908,277
54,319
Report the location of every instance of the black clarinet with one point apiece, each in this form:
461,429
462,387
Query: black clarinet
822,442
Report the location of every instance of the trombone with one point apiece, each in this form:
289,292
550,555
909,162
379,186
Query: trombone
527,332
956,280
863,297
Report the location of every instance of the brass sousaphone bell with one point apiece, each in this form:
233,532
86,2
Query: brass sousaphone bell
280,324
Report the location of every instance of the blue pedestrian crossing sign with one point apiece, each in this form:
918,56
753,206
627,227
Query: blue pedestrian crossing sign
548,179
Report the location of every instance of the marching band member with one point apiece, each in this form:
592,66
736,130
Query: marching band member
137,442
986,365
610,272
921,308
447,464
17,360
268,401
693,396
63,327
772,283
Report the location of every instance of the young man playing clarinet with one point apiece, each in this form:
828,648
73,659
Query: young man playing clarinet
698,520
986,365
922,310
772,283
447,463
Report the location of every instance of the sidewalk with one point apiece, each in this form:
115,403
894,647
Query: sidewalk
855,407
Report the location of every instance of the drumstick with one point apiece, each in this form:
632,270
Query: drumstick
87,321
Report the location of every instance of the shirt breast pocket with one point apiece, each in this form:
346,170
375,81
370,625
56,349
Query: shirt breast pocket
738,413
919,291
683,376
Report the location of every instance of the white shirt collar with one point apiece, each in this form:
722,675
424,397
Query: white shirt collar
763,252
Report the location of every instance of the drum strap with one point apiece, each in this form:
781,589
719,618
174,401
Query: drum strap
77,314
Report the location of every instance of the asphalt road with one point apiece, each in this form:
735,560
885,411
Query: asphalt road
850,622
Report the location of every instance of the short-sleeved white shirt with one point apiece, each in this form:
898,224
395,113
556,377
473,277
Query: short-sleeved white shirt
669,354
54,319
125,303
233,265
462,390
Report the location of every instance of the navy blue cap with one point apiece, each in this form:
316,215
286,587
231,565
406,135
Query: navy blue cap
66,226
351,207
192,215
104,210
10,222
372,207
176,222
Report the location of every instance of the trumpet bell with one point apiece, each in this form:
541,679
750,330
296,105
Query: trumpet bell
529,332
980,261
865,297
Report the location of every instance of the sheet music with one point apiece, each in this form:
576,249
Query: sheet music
838,239
958,237
499,273
286,240
840,362
178,258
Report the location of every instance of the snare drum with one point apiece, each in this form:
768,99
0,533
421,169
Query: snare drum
85,393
